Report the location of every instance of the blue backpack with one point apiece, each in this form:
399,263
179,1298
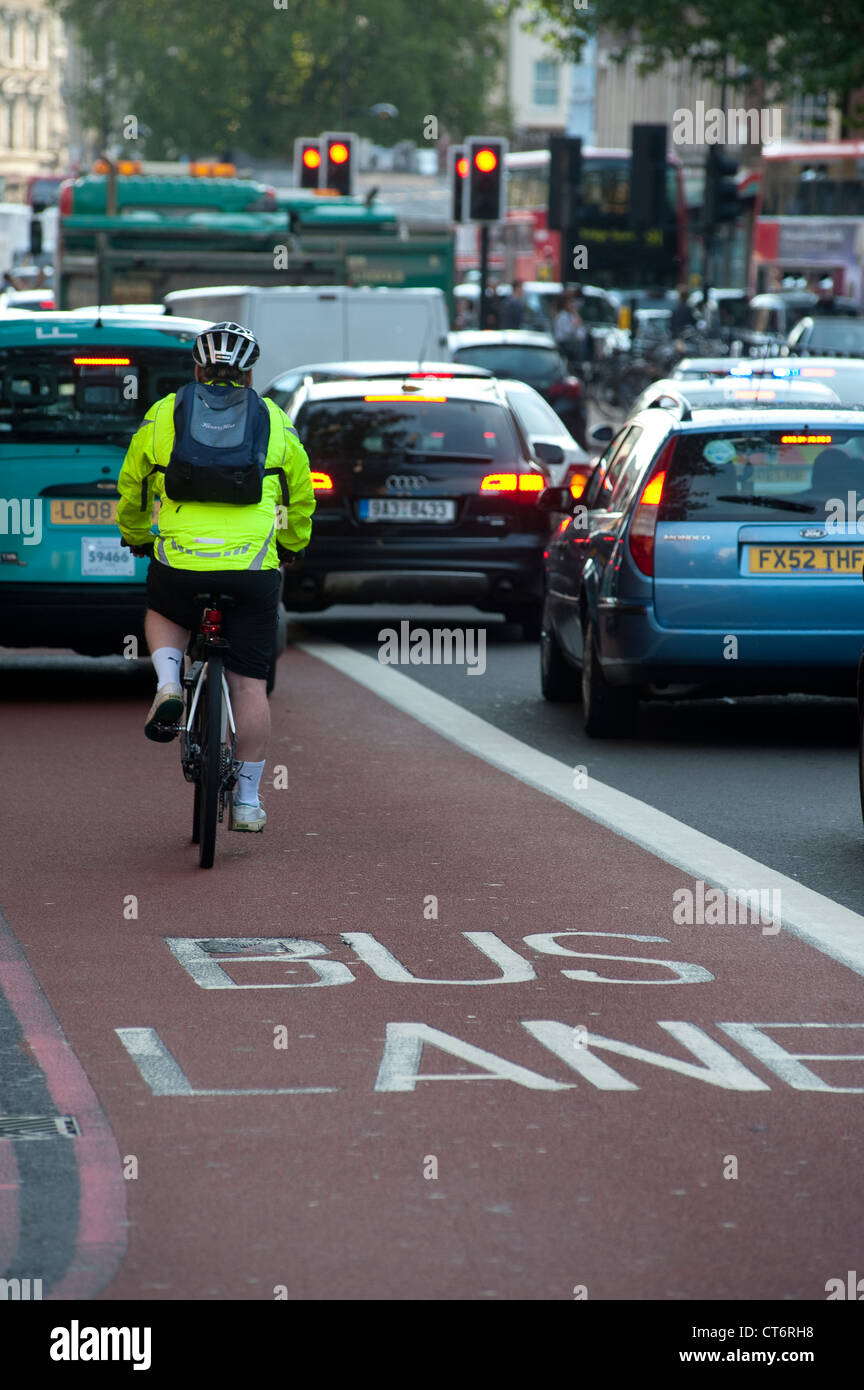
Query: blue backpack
221,435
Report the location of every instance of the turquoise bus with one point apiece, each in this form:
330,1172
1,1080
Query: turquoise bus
72,393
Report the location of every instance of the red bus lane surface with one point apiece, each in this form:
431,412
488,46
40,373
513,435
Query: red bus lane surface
434,1035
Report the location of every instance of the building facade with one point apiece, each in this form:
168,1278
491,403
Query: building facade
33,123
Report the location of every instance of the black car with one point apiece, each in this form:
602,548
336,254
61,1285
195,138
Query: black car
427,493
534,358
827,336
286,384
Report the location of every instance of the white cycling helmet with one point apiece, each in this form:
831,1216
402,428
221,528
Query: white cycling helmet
228,343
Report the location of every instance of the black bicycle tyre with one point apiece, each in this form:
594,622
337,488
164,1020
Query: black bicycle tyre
210,709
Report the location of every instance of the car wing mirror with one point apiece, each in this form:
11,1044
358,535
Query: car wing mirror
548,453
555,499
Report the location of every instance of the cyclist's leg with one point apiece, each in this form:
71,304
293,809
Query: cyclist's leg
251,715
249,627
166,625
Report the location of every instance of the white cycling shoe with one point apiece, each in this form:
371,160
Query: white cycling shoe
163,720
245,817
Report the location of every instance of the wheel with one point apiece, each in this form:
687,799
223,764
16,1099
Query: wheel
608,711
196,812
558,680
210,708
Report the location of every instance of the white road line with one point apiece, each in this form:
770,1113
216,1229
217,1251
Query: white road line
831,928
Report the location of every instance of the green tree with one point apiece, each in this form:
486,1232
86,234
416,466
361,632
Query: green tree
251,75
813,46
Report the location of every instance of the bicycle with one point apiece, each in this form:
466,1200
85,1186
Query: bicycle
207,732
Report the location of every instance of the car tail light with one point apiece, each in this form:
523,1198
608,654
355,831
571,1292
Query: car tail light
46,303
432,376
569,386
321,482
644,523
533,483
578,477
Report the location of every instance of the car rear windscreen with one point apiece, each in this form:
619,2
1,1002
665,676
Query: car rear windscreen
360,430
537,365
81,390
836,335
762,475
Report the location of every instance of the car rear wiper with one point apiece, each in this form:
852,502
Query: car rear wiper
760,500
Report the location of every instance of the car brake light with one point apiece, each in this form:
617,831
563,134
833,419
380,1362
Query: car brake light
578,485
644,523
432,376
46,303
569,386
101,361
513,482
322,482
438,400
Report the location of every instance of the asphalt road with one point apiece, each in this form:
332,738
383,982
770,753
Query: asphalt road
436,1035
774,778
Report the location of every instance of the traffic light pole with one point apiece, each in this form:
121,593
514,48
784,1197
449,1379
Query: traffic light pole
484,272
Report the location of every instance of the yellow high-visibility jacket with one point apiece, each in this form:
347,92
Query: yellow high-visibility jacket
214,535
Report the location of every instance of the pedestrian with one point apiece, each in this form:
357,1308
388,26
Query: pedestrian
682,315
491,312
569,330
514,307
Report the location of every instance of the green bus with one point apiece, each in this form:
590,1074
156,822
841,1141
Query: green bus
184,233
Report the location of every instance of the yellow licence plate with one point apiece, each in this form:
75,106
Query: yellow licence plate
92,511
806,559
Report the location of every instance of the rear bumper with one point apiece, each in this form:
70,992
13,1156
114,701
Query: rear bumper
492,572
635,650
55,615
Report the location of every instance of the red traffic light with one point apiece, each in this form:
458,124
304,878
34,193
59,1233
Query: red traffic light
462,167
312,157
485,160
338,153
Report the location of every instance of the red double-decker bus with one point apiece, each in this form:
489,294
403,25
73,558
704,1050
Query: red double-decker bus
809,217
522,247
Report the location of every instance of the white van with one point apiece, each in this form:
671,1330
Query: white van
325,323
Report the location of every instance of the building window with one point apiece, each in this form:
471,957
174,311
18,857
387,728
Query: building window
546,78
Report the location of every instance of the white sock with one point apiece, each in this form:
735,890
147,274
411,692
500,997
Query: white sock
248,782
168,663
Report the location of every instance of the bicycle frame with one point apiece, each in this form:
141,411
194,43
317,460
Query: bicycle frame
207,639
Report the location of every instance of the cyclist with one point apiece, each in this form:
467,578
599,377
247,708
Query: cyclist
235,499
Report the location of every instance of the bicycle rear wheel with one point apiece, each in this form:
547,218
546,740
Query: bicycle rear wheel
210,710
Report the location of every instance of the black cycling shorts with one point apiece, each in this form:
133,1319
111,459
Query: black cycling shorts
249,624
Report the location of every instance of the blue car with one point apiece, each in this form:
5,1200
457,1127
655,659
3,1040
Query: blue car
715,551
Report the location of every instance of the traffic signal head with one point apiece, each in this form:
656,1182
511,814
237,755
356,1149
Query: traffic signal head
307,162
458,179
338,154
565,183
486,176
720,203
